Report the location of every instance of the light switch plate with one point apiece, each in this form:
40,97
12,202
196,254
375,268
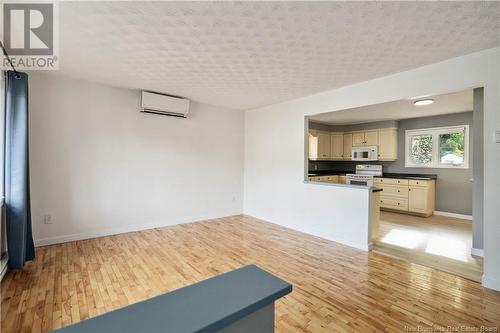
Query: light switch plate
497,136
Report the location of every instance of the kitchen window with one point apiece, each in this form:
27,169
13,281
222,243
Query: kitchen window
441,147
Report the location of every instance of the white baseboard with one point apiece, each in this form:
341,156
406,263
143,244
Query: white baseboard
107,232
90,234
490,283
458,216
477,252
357,245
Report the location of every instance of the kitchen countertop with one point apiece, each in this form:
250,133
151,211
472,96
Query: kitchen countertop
408,176
328,173
385,175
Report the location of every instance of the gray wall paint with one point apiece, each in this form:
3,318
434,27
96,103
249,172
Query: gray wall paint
325,127
374,125
453,186
478,170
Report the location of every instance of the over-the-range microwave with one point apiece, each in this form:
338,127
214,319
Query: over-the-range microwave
366,153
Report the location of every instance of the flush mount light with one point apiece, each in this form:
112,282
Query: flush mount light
424,102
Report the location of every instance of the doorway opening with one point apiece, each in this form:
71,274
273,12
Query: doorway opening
426,155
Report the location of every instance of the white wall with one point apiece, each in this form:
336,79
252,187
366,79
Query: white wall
274,152
99,166
274,182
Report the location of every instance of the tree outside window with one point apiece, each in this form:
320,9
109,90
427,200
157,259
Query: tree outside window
451,148
421,149
443,147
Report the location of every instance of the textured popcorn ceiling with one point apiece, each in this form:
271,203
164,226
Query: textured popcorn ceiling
244,55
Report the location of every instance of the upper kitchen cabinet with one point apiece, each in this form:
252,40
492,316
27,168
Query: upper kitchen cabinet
358,139
347,146
365,138
388,144
319,145
336,146
371,138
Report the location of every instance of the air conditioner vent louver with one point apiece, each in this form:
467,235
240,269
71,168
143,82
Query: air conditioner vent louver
164,104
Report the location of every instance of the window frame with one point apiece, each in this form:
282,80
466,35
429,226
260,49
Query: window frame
435,132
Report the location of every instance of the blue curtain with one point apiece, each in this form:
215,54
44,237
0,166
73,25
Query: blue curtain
20,245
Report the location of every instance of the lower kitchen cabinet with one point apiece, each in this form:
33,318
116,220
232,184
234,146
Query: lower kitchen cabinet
411,196
421,199
329,179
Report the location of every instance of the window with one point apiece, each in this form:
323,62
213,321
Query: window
442,147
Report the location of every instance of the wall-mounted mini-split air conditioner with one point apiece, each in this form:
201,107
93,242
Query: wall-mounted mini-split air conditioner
164,104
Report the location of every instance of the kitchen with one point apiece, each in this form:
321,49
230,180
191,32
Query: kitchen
418,154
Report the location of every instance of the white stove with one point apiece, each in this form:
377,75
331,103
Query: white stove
364,174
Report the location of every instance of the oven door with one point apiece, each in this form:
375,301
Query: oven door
358,182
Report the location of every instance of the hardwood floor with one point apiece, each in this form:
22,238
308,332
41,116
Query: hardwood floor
439,242
336,288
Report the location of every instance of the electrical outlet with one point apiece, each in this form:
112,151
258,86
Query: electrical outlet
47,219
497,136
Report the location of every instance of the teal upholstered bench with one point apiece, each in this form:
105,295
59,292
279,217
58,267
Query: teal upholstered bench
241,300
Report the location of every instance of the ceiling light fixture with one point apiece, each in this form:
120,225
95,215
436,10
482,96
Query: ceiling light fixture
424,102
